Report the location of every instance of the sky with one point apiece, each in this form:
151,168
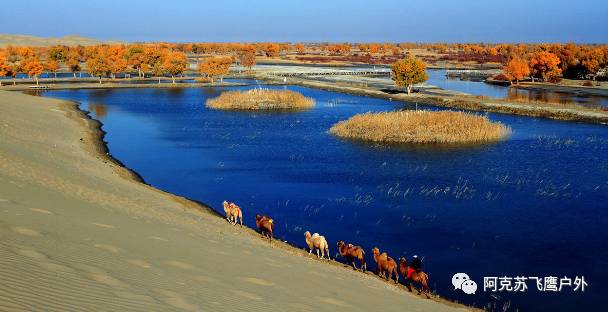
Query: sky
583,21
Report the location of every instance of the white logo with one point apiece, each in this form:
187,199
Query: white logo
463,281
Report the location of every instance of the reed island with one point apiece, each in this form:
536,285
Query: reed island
261,99
421,127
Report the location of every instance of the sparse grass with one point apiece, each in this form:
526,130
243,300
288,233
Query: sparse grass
261,99
441,127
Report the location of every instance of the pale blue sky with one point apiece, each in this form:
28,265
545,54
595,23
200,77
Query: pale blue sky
312,20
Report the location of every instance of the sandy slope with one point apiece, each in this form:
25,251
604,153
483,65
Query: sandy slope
78,234
27,40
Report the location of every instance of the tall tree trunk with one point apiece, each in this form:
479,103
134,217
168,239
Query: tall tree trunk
173,78
36,77
99,79
409,89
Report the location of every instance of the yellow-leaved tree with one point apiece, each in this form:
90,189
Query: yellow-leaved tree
215,66
98,63
516,69
247,56
175,63
408,72
33,67
51,65
4,68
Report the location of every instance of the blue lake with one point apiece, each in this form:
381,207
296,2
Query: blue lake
533,205
437,77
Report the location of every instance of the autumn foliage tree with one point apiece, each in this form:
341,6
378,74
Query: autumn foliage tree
272,49
33,67
516,69
98,64
152,60
544,65
408,72
135,58
58,53
215,66
4,68
341,48
51,66
117,60
299,48
592,60
175,63
73,61
247,56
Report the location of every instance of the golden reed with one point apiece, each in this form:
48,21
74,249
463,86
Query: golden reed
443,127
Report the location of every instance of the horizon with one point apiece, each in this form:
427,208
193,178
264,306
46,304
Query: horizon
349,21
102,41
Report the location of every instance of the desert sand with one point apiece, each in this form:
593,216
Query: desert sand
81,233
26,40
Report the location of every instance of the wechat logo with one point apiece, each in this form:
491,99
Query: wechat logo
463,282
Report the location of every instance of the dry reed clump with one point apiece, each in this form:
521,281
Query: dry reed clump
441,127
261,99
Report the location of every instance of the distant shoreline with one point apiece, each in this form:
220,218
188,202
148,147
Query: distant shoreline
440,99
467,102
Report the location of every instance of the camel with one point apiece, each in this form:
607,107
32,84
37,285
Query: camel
265,224
385,264
351,252
318,242
412,275
233,213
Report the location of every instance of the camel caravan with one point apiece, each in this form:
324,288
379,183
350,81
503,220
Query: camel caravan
387,267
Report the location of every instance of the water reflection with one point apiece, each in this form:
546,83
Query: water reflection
438,78
100,110
555,97
33,92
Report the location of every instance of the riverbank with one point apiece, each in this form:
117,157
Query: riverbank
601,90
465,102
115,85
565,86
80,231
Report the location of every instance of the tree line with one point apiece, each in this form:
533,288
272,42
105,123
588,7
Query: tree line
544,62
110,60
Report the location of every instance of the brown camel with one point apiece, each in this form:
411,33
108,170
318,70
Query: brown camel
351,252
233,212
265,224
413,276
386,264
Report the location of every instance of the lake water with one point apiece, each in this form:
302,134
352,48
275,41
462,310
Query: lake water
437,77
533,205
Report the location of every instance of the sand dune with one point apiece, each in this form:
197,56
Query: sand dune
80,234
26,40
